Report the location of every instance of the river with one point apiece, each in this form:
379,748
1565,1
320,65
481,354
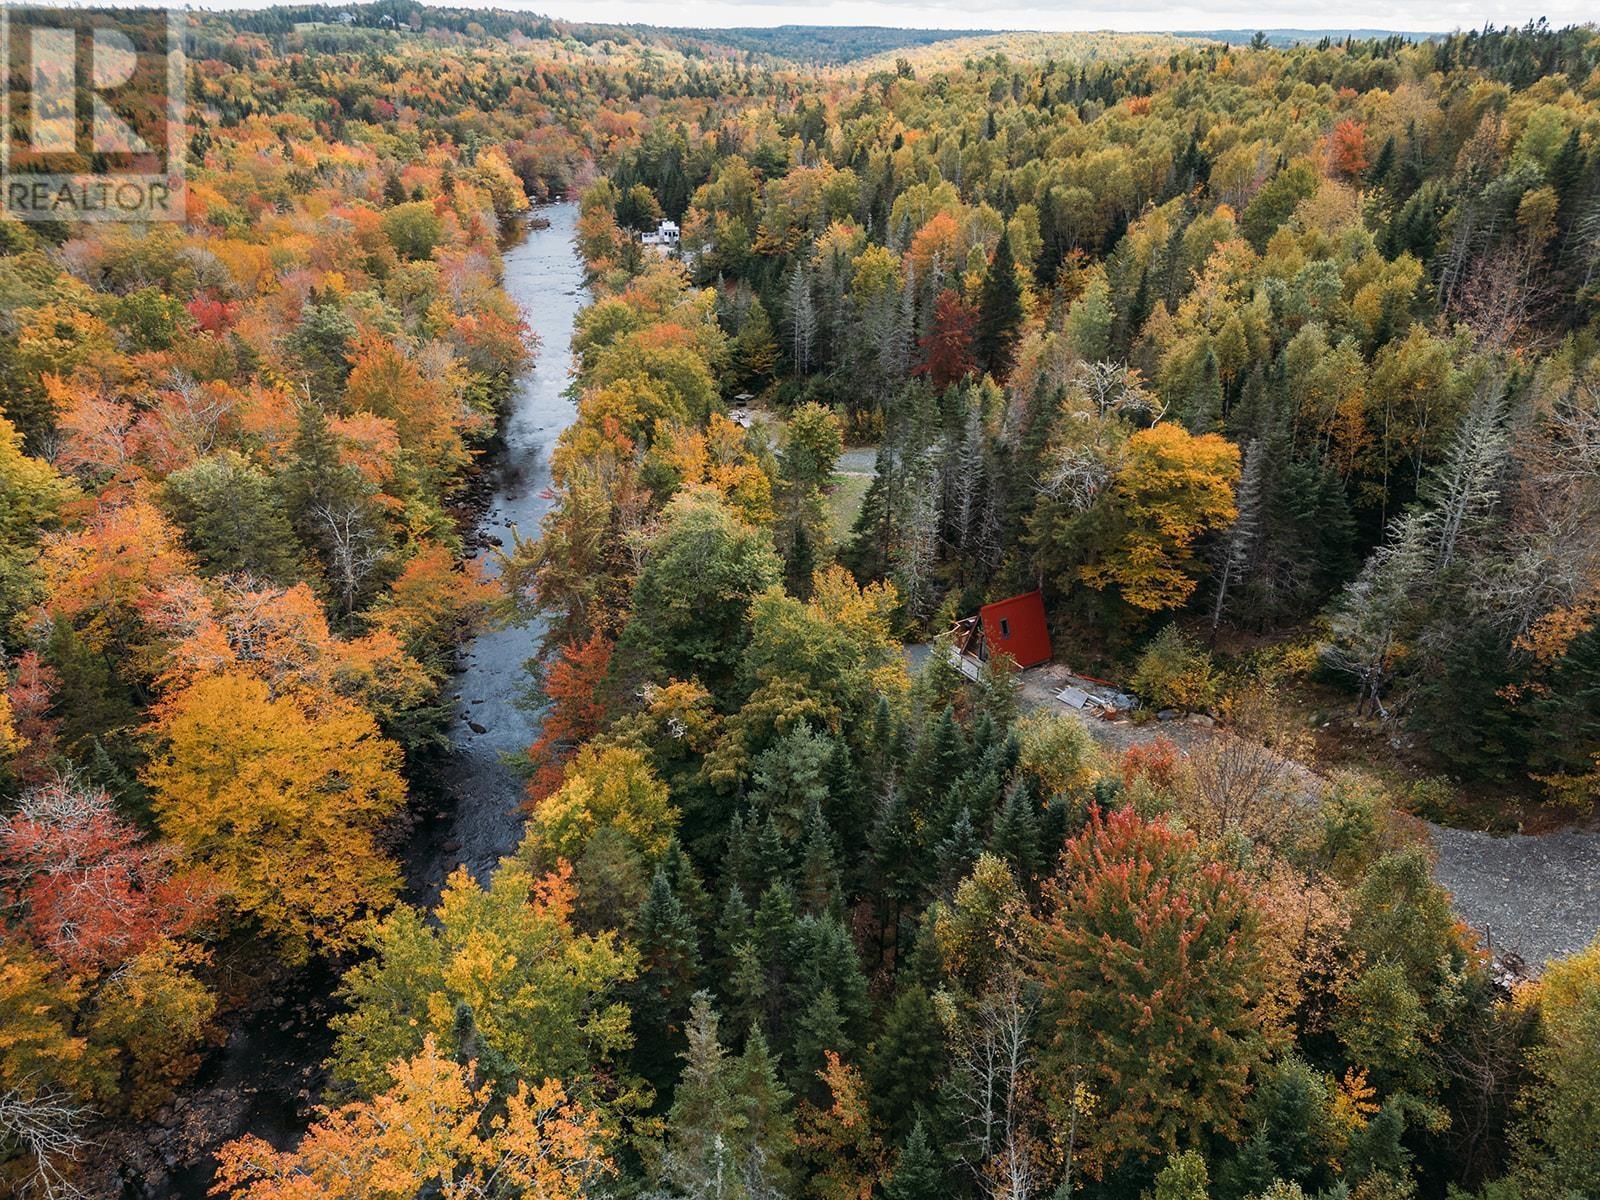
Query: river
544,276
264,1080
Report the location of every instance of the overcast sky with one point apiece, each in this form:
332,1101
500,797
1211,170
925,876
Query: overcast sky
1442,15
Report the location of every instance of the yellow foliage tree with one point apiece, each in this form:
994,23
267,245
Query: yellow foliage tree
151,1018
1171,489
283,802
500,973
1561,1126
430,1133
606,788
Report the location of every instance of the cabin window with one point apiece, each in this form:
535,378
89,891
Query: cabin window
1005,628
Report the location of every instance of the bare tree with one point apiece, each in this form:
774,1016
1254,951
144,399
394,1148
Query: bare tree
1238,784
197,412
354,544
1376,609
1486,1059
1240,539
1585,239
802,319
963,477
46,1129
993,1083
1075,476
1468,485
1115,387
1547,555
917,548
1502,293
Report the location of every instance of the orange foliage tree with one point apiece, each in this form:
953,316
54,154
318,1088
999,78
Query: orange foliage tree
573,684
1347,149
947,355
847,1157
103,579
1150,959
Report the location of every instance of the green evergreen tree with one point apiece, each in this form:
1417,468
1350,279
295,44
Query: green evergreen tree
729,1132
916,1173
958,850
1015,836
233,519
820,1028
819,887
686,883
764,1126
791,777
669,973
95,706
896,868
733,930
941,756
739,859
908,1061
825,960
773,854
774,934
1202,412
1383,165
999,311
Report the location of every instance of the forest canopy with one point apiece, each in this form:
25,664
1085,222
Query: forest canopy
1273,369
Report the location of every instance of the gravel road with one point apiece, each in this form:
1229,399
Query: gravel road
1531,898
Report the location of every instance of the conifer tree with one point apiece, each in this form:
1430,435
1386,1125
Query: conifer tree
733,930
916,1174
764,1126
908,1062
819,887
1203,410
1015,836
958,850
669,972
702,1159
818,1031
999,311
940,756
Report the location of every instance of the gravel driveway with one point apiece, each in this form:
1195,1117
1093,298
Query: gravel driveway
1531,898
1535,897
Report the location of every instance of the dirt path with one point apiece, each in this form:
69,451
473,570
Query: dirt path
1533,898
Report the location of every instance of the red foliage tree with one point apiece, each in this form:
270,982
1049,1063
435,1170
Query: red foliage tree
32,696
947,355
89,888
1154,991
1155,761
211,314
1347,149
574,686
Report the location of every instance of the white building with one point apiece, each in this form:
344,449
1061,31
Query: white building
664,239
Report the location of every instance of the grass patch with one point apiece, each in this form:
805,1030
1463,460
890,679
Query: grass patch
844,504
